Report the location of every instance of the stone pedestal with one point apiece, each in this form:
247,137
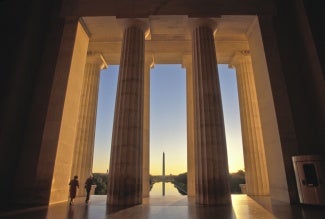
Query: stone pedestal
243,188
126,164
257,182
84,144
212,186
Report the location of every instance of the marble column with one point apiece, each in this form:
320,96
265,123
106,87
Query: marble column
187,63
126,163
211,162
84,143
149,63
257,182
60,127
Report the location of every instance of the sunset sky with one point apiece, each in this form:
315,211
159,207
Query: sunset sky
167,118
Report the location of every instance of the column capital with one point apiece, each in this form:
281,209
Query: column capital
142,23
239,57
97,58
203,22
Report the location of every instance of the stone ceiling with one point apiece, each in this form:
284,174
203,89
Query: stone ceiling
170,38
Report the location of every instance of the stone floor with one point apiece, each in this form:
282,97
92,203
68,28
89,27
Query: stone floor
169,207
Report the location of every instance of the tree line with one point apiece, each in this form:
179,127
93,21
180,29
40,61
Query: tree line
235,179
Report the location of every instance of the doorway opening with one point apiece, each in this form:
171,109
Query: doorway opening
230,104
168,130
104,125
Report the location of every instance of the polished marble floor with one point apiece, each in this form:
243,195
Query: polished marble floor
170,207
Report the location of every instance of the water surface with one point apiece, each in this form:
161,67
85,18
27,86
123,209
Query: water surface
169,189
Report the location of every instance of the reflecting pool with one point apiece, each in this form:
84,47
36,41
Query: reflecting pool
157,189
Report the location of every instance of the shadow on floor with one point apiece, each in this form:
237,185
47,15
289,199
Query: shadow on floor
170,207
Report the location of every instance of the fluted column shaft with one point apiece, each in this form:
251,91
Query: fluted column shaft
125,170
257,182
212,186
84,144
187,63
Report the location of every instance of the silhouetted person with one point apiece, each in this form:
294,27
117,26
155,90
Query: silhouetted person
74,184
88,184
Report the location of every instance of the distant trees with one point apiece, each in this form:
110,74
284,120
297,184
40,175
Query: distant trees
182,178
180,182
100,179
235,179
